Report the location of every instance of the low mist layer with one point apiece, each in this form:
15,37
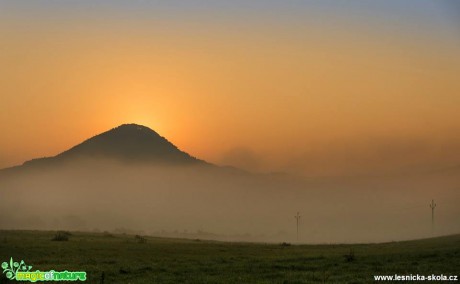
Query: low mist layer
227,204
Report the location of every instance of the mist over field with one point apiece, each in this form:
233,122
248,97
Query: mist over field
203,201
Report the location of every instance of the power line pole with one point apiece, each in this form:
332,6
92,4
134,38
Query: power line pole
297,217
432,206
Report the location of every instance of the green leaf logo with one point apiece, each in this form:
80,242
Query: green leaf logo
13,267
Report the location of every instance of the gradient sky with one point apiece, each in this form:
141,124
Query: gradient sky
312,87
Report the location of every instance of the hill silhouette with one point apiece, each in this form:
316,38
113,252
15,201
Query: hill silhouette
130,143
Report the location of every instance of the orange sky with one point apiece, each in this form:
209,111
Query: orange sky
295,98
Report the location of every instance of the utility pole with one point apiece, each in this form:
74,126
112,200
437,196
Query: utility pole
432,206
297,217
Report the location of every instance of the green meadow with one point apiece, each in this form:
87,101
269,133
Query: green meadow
116,258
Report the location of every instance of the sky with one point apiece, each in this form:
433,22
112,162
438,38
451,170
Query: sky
307,87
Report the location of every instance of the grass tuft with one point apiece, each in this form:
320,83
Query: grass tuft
61,236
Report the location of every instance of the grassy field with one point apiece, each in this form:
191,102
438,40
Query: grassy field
109,258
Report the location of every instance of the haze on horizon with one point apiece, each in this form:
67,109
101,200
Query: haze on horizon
131,180
307,87
207,202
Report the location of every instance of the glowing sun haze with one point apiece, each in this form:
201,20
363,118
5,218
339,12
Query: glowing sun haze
312,87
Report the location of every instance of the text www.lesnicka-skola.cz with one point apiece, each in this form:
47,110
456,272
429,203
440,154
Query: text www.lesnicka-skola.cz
416,277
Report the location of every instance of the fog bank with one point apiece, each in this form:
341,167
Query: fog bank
228,204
